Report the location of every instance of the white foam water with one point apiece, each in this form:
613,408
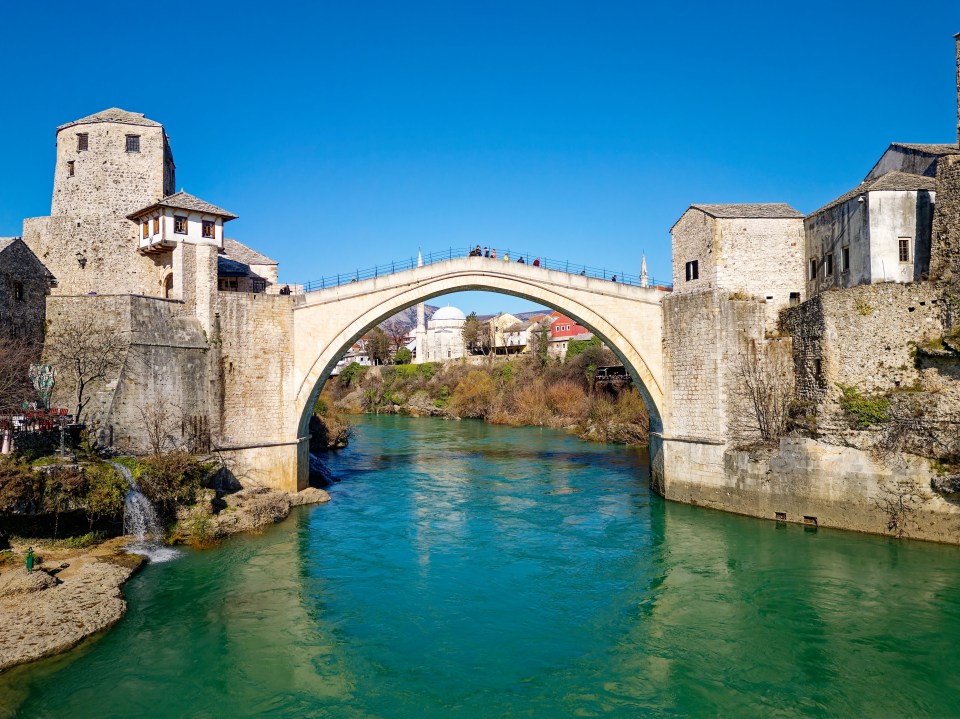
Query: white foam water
140,520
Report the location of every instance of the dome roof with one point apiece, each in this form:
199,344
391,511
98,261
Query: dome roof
448,313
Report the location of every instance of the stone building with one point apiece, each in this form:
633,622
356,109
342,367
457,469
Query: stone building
24,286
442,338
752,249
243,269
877,232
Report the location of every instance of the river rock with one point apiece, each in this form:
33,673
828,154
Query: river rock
311,495
41,615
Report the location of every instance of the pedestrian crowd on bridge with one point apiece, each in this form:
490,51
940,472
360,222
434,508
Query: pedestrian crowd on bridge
492,255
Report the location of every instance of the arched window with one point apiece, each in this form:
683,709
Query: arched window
168,286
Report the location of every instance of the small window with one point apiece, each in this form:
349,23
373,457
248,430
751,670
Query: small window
259,285
180,225
18,291
146,229
693,270
845,258
829,259
133,143
208,228
813,268
156,225
794,298
83,141
904,249
70,168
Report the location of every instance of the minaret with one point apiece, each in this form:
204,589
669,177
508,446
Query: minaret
644,281
421,347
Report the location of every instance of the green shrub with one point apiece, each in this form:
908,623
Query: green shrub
84,540
170,480
576,347
106,492
352,374
403,356
864,411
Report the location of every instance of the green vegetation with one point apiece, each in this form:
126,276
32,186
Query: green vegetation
578,347
864,411
403,356
171,480
352,374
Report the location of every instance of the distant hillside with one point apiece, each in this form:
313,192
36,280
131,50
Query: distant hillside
409,316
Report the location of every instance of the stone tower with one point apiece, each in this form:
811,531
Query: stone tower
108,165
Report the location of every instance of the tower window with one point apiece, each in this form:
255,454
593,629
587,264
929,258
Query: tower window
156,225
18,291
794,298
904,249
845,258
133,143
829,264
693,270
146,229
208,230
180,225
83,141
813,268
70,168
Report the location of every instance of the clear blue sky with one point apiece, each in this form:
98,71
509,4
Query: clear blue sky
345,134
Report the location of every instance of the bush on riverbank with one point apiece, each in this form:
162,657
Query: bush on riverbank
522,390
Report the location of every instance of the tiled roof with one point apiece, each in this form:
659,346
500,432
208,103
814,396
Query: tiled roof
5,242
929,148
241,253
772,210
889,181
185,201
114,114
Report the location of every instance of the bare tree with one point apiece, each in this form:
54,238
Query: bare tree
16,354
762,392
396,331
899,501
161,421
83,357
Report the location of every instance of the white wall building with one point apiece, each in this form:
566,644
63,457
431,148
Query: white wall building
442,338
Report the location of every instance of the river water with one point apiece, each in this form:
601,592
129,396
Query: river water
478,571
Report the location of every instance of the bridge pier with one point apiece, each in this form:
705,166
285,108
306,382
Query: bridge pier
278,465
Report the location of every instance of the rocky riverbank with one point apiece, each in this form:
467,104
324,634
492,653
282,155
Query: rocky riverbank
75,593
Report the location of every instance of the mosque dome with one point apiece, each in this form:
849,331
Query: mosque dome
448,313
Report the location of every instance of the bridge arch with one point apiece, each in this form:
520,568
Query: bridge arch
627,318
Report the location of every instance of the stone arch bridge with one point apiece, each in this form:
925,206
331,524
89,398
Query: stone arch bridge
326,322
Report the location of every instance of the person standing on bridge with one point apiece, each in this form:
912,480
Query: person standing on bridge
520,261
493,253
486,252
536,262
506,256
613,279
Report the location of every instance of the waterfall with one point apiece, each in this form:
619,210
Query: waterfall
140,520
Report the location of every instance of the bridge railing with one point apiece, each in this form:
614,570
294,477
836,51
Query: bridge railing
613,274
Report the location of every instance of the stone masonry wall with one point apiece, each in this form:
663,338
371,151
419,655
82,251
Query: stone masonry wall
87,242
694,238
254,339
863,337
24,317
164,366
945,243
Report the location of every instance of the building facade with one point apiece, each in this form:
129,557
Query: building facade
24,286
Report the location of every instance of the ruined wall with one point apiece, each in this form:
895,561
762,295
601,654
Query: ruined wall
24,284
163,366
863,337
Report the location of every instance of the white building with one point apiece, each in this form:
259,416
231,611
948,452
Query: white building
442,338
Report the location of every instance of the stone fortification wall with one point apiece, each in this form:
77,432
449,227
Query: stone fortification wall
163,368
863,337
87,242
254,338
945,243
703,334
817,484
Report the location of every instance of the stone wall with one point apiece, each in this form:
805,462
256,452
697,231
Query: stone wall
813,483
945,244
87,242
163,367
24,285
863,337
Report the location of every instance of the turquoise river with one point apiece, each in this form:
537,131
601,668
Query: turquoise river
469,570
